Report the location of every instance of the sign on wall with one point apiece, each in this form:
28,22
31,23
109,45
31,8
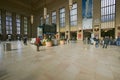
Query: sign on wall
87,12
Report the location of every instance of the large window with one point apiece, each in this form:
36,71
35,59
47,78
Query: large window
25,25
62,17
73,15
47,19
41,20
8,23
18,23
0,23
107,10
54,17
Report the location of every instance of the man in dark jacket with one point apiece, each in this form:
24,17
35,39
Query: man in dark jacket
106,42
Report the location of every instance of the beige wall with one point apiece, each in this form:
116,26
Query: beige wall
117,18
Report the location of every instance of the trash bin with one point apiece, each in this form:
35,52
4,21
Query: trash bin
7,46
55,42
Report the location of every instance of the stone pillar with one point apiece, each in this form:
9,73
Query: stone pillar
67,20
57,23
117,27
14,27
79,13
3,16
96,17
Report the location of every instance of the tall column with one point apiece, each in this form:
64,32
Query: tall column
3,16
57,23
117,27
14,27
67,20
34,26
79,17
96,18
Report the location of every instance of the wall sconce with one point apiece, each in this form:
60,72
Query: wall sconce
31,19
45,10
96,29
70,4
79,31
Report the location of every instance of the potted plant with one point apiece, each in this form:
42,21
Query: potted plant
49,42
62,41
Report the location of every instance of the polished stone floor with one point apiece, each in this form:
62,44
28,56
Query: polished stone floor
73,61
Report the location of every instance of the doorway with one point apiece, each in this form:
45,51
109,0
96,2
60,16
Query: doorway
73,35
108,32
87,33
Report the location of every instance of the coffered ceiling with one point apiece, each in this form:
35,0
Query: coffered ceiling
29,6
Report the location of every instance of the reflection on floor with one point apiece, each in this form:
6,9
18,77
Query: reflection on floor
74,61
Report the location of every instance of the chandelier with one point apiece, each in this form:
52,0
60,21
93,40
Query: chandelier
45,11
31,19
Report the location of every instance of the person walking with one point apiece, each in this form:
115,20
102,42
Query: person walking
97,42
106,42
25,40
37,42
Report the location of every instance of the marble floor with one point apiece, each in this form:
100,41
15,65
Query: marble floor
73,61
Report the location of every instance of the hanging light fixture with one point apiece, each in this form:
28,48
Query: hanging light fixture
45,11
31,19
70,4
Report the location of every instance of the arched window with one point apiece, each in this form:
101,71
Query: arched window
107,10
8,23
18,21
62,17
25,25
73,15
54,17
